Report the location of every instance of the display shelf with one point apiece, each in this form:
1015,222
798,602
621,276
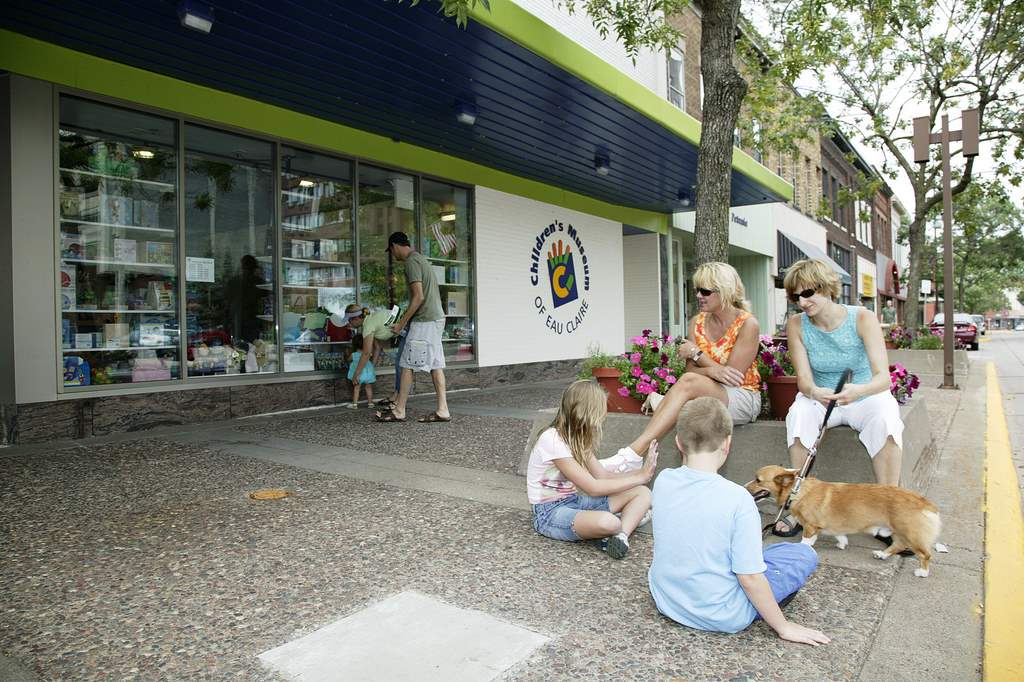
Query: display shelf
316,262
165,266
447,260
314,343
120,311
74,351
165,230
162,186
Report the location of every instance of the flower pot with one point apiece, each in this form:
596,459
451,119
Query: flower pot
781,394
608,377
889,345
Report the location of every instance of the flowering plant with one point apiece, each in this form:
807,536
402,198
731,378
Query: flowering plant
902,383
957,343
653,365
899,336
773,359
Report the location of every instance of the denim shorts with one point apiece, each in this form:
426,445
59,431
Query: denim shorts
554,519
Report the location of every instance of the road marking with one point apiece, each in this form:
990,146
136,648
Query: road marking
1004,546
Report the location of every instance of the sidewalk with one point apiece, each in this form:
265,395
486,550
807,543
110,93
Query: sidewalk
141,556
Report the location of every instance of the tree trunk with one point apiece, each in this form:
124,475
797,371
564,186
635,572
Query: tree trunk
724,89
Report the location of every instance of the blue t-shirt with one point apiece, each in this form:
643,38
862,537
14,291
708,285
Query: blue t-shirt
706,530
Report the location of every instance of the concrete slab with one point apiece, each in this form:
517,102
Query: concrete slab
407,637
930,361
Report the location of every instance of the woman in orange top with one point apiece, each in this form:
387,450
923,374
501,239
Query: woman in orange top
720,352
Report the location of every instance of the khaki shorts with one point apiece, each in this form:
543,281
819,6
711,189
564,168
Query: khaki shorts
744,405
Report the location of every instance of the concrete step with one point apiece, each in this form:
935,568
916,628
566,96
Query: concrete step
841,456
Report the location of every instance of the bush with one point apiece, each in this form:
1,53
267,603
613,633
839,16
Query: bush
927,342
598,359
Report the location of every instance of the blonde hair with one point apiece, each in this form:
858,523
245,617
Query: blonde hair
579,418
814,274
724,279
703,425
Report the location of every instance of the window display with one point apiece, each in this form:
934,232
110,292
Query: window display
118,221
448,245
229,253
317,271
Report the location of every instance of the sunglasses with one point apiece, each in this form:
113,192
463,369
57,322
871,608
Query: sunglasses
706,292
797,295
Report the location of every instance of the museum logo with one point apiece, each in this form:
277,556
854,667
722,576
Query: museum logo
561,248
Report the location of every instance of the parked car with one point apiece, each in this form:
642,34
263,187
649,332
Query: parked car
982,324
1020,326
964,328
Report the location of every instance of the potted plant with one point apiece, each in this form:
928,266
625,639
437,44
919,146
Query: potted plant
898,337
652,366
902,383
607,369
778,382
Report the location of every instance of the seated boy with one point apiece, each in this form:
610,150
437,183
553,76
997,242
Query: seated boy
709,570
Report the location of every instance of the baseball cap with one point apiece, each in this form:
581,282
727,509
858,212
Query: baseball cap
400,238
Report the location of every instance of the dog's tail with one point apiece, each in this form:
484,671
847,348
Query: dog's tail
934,523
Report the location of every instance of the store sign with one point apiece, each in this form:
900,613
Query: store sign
867,283
560,276
739,220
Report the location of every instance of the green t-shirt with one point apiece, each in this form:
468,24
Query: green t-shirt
375,325
418,269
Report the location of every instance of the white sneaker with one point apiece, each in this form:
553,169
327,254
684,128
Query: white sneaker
352,406
648,515
622,461
651,403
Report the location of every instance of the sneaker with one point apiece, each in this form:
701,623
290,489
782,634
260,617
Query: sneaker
618,546
646,518
352,406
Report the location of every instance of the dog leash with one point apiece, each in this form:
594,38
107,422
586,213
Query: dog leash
805,470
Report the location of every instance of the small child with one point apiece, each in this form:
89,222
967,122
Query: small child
367,377
709,570
574,497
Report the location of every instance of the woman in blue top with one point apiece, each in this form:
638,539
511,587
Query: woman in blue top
826,339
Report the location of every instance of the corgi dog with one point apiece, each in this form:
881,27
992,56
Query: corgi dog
842,508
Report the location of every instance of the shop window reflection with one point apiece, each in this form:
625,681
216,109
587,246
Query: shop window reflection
229,249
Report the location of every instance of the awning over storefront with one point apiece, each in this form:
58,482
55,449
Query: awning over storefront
889,278
792,249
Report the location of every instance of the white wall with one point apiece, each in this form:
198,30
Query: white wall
511,328
580,29
642,294
757,234
32,214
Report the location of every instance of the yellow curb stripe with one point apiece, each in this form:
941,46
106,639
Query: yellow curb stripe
1004,547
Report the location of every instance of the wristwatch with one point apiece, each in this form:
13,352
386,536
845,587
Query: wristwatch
696,356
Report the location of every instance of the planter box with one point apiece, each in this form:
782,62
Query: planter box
608,377
930,361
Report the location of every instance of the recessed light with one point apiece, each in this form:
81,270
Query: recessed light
195,16
142,154
448,216
306,183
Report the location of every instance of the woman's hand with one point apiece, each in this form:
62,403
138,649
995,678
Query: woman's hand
724,374
850,393
686,349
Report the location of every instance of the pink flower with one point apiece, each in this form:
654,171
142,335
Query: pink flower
635,358
670,379
623,391
636,371
654,347
668,339
646,333
645,377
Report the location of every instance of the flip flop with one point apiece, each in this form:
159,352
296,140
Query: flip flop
432,418
792,524
387,403
387,417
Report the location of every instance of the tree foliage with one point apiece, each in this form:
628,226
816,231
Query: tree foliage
885,62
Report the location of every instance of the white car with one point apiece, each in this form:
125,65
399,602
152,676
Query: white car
1020,326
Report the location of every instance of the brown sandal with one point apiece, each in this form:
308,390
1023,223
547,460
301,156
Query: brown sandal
432,418
387,417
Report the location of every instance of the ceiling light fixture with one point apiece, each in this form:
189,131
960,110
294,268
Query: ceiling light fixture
448,216
143,154
602,164
195,16
684,197
306,182
465,113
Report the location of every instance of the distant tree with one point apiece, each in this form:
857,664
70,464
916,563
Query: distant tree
885,62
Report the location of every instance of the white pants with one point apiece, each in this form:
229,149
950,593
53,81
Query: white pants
874,418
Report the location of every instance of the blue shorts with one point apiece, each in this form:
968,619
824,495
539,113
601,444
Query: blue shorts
554,519
790,564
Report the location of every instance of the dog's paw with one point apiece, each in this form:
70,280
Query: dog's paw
939,547
809,541
879,554
842,541
921,572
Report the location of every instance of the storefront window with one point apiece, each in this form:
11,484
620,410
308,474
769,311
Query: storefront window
387,203
447,239
317,271
229,250
118,245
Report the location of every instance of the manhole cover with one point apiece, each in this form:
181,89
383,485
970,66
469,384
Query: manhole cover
269,494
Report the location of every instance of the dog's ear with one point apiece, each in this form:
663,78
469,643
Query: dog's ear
784,480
